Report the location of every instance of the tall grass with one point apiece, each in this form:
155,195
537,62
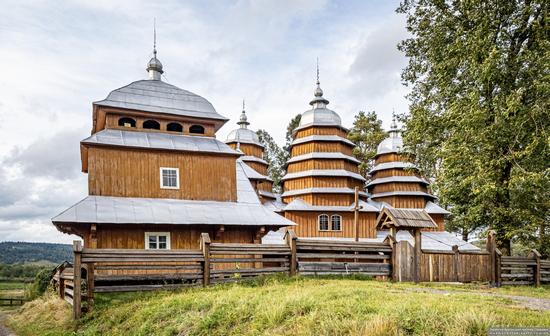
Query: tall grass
277,306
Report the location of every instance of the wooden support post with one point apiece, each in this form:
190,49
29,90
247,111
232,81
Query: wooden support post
93,236
491,246
258,240
356,214
394,263
205,247
61,288
291,241
456,262
536,269
90,286
77,298
417,254
498,256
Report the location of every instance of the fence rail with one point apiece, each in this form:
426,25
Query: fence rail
12,301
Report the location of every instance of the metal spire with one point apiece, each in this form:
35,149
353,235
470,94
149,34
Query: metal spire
318,71
154,67
319,101
243,120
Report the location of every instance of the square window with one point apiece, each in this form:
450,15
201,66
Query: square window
157,240
169,178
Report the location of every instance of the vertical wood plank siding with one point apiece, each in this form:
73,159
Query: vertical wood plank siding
310,147
136,173
320,131
322,164
308,226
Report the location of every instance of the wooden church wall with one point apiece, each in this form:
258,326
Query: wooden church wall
310,147
395,186
394,172
322,164
308,224
321,131
416,202
260,168
248,149
135,173
322,182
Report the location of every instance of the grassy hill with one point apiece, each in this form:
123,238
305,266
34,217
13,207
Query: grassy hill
298,306
24,252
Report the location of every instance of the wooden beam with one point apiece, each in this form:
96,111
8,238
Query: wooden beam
536,269
417,254
291,241
356,214
205,247
77,308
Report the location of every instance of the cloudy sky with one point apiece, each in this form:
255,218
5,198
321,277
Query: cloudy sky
58,57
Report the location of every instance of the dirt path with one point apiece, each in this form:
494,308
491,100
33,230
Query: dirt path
523,301
4,331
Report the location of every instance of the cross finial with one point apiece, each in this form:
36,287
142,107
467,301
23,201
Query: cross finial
155,36
318,70
243,104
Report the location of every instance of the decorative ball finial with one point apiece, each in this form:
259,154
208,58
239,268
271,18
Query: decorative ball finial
319,101
154,66
243,120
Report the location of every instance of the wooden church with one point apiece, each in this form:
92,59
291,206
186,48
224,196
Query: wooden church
158,177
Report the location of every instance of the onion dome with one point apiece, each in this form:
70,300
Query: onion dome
393,143
243,134
319,115
154,67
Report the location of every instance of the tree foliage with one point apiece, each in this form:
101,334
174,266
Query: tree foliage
479,119
274,156
366,134
292,125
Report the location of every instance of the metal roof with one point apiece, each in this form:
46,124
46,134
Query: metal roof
322,191
433,208
266,194
251,173
130,210
393,165
158,96
251,158
157,140
323,155
245,191
311,138
403,193
323,172
243,135
402,179
300,205
405,218
320,117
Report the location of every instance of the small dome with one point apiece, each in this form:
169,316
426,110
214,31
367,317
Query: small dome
392,144
320,116
154,64
243,135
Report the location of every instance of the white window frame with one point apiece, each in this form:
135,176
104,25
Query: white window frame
319,222
162,186
149,234
332,225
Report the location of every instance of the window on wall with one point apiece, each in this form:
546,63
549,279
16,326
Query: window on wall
196,129
157,240
151,124
174,127
336,221
126,122
323,222
169,178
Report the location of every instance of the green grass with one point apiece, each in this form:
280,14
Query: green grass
281,306
12,285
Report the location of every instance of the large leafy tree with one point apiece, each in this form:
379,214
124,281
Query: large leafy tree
292,125
366,133
274,156
479,119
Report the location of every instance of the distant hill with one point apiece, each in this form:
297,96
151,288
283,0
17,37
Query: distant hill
23,252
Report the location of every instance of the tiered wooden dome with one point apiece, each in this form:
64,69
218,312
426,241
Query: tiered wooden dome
321,170
247,141
397,182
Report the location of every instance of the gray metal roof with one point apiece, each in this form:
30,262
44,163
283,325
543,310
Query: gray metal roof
266,194
249,158
251,173
433,208
158,96
402,193
402,179
329,138
129,210
323,155
321,116
322,191
392,144
245,191
392,165
243,135
301,205
405,218
157,140
432,240
323,172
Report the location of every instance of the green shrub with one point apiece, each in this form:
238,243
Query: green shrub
39,285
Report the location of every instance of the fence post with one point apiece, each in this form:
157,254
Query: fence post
456,259
205,247
391,241
491,245
497,269
77,308
291,241
417,254
90,286
536,269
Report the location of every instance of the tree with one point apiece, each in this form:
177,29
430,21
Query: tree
366,134
274,156
479,117
292,125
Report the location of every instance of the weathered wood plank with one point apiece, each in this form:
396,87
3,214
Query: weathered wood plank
245,260
135,288
251,270
342,256
136,277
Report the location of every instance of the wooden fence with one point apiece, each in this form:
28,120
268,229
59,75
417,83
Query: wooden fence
111,270
13,301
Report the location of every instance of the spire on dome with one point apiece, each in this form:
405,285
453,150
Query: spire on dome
154,67
243,120
319,101
393,125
